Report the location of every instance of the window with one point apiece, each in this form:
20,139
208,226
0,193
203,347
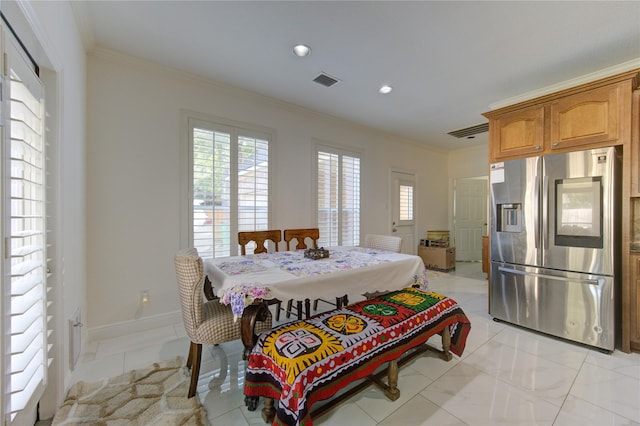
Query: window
24,283
229,184
406,202
338,197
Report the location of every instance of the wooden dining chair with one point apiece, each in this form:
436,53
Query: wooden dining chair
206,322
301,235
260,238
305,238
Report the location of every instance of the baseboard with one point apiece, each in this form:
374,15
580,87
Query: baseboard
127,327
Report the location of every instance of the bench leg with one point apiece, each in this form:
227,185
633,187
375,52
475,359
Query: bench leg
392,392
251,402
446,344
268,412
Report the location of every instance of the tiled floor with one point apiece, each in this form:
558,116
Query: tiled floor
506,376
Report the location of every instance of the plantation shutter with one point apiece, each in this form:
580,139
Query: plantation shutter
253,184
406,202
229,186
25,272
338,197
211,192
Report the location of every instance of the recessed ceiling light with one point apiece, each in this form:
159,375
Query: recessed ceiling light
301,50
385,89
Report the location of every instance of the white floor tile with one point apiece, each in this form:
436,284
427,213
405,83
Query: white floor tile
541,378
506,375
477,398
420,411
378,406
232,418
608,389
561,352
135,341
575,411
343,414
105,367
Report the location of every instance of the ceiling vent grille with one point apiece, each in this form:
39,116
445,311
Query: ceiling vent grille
470,131
326,80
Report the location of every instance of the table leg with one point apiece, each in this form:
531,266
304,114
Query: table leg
257,311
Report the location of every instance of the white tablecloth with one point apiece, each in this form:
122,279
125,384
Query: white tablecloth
289,275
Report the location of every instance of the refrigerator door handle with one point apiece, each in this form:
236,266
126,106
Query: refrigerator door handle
536,213
546,276
545,212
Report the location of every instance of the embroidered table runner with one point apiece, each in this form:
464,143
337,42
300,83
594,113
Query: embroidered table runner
305,361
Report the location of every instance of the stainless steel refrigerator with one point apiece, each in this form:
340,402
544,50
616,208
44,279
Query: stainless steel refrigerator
555,240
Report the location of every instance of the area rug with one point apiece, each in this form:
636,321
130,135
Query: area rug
156,395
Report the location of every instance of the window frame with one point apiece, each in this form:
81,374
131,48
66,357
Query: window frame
192,119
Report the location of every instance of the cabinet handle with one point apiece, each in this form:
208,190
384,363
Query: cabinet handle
556,144
538,148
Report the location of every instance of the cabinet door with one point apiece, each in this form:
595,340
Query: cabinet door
590,117
635,144
518,133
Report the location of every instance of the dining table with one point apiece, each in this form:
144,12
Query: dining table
291,275
239,280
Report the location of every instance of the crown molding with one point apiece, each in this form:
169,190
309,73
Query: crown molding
585,79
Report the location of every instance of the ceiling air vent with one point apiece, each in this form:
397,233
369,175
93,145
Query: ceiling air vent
326,80
469,132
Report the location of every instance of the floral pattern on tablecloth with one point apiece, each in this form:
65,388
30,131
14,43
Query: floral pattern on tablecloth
251,263
296,264
337,262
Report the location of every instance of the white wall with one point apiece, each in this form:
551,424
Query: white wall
133,189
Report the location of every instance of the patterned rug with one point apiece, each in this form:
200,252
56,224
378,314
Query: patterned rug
156,395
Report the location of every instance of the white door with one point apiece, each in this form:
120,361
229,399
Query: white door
403,209
470,217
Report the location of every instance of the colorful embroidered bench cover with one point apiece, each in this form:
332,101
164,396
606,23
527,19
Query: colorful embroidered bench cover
305,361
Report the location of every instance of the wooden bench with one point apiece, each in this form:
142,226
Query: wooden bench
306,361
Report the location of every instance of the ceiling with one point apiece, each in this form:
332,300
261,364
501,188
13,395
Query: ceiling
447,62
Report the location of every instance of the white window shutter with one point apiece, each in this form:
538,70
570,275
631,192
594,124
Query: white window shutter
229,185
338,197
24,226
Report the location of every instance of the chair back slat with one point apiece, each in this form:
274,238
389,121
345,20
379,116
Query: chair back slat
259,237
300,235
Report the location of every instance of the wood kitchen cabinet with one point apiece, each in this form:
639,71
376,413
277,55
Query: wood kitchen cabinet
518,133
486,266
634,301
574,121
635,145
586,119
